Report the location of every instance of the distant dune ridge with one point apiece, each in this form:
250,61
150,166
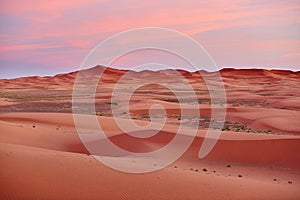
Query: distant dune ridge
225,72
256,157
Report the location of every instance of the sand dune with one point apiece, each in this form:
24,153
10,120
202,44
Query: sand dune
256,156
61,175
56,169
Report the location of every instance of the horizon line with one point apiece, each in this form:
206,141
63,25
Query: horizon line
153,70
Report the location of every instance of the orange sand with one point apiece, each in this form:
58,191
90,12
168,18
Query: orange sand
42,156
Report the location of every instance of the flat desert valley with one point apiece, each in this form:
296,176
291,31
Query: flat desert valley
256,157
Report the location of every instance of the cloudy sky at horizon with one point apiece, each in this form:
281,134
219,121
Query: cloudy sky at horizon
50,37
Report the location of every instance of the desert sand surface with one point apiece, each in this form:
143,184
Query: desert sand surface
256,157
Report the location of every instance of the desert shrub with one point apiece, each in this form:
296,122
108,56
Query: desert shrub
112,103
226,128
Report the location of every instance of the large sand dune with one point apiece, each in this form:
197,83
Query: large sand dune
256,157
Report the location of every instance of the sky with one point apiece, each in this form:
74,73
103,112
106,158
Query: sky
51,37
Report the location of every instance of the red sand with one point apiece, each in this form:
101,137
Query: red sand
42,156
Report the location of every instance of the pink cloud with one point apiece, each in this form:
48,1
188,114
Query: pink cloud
18,7
74,28
294,54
